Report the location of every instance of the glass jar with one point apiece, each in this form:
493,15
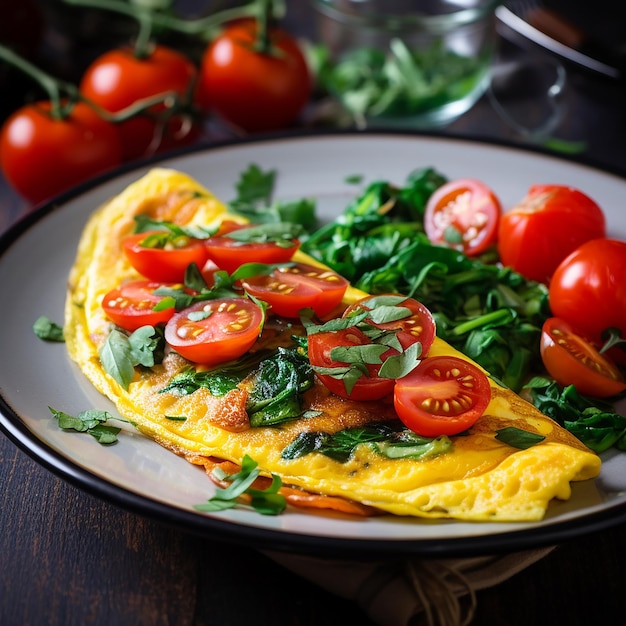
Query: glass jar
403,63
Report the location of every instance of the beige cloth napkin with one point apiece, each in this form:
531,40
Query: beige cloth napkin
411,592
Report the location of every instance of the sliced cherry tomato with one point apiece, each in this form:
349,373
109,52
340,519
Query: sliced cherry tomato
288,290
368,386
255,85
118,79
166,262
572,360
229,253
546,226
131,305
443,395
463,214
215,331
42,156
415,324
588,289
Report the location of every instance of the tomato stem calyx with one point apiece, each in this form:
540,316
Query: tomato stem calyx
612,338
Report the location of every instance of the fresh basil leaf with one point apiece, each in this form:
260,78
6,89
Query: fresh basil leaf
399,365
145,223
147,345
92,421
46,329
193,278
254,186
265,501
248,270
168,302
281,233
104,434
116,358
367,353
518,438
338,323
384,314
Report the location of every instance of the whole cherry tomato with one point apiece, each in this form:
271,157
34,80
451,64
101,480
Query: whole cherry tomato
571,360
42,155
588,288
548,224
255,89
463,214
118,79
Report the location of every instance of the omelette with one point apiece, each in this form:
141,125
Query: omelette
476,476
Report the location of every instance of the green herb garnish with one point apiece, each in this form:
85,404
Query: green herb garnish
518,438
93,422
121,353
265,501
48,330
254,200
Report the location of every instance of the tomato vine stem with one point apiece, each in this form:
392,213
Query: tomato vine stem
205,26
56,89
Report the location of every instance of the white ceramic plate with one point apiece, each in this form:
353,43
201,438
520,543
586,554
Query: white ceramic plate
136,473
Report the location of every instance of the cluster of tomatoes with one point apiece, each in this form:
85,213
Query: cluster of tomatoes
555,235
439,395
131,104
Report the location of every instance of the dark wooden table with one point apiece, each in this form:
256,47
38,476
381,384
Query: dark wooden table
70,559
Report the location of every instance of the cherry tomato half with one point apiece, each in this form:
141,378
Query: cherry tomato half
368,386
463,214
588,288
42,156
118,79
229,254
572,360
288,290
254,89
167,264
415,324
215,331
443,395
546,226
131,305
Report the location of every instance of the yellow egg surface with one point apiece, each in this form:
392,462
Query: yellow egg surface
479,479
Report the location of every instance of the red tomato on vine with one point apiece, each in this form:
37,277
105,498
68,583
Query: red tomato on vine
254,82
118,79
42,154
